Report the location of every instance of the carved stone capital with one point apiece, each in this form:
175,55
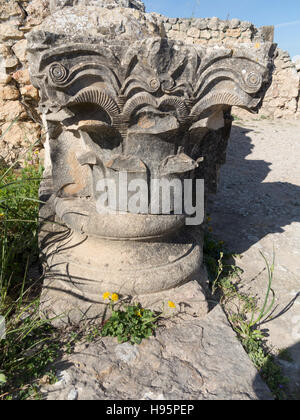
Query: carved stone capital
119,97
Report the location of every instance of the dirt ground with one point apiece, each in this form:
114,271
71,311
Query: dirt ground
257,209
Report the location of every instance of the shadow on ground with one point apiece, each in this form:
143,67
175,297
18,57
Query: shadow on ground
244,200
291,370
252,213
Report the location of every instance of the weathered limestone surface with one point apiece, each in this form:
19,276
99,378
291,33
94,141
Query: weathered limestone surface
282,97
191,360
17,18
119,97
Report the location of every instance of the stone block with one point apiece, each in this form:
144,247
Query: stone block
213,24
233,33
187,360
19,48
11,63
9,93
21,134
11,110
205,34
193,33
234,23
10,31
29,91
22,77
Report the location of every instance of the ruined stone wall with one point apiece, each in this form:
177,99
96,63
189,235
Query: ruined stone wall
212,31
282,98
19,99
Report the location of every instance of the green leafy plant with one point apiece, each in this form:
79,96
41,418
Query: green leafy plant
243,312
130,323
30,343
248,330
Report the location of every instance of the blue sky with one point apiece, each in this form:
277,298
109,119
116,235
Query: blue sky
283,14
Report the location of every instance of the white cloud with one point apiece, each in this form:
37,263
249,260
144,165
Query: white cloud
281,25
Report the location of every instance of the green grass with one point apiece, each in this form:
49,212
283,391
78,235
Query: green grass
31,344
18,223
243,311
236,118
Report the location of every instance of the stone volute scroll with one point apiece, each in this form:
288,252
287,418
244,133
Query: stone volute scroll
120,103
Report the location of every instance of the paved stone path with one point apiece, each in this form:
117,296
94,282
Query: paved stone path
191,360
258,208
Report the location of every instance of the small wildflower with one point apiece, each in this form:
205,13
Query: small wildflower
171,304
209,219
138,313
106,296
2,215
114,297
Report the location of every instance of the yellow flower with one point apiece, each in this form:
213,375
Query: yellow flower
171,304
209,219
2,215
114,297
138,313
106,295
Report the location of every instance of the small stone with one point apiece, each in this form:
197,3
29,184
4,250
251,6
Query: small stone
5,51
30,91
200,42
73,395
223,25
22,77
213,23
9,93
174,34
193,33
245,25
4,78
233,33
205,34
10,9
246,34
20,50
11,110
215,34
176,27
185,25
201,24
11,62
167,26
234,23
9,31
21,133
